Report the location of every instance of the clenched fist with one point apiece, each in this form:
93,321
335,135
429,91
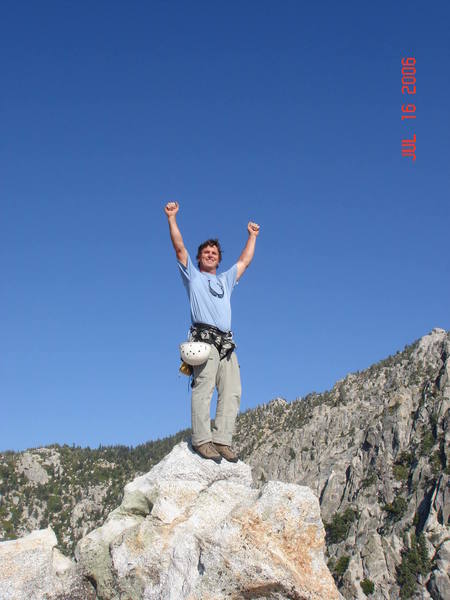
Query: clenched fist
253,228
171,209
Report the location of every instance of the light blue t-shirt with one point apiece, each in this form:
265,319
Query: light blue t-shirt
209,295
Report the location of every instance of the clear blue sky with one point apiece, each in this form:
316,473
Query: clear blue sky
285,113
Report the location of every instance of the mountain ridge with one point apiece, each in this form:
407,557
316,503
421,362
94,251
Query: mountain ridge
374,449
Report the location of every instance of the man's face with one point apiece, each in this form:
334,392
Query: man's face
209,259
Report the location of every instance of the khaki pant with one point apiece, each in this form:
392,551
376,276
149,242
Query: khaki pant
223,374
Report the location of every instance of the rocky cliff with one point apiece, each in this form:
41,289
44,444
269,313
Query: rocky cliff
375,451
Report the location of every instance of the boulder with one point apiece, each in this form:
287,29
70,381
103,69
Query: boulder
31,568
194,530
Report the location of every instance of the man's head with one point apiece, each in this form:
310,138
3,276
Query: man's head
209,255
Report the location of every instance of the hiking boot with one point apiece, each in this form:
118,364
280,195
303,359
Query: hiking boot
208,450
227,452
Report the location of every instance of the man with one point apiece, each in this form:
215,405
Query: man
209,296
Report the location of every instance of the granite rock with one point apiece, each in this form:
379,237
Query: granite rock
31,568
194,530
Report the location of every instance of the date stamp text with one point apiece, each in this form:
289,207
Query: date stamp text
409,109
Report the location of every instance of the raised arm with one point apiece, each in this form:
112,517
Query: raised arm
171,210
247,253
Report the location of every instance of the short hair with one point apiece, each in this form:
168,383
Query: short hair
211,242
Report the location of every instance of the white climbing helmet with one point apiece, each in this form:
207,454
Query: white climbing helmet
195,353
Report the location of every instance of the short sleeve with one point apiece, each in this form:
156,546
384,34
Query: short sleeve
230,277
186,271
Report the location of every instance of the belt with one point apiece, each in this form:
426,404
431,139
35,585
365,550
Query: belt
203,326
223,341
